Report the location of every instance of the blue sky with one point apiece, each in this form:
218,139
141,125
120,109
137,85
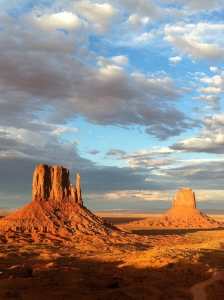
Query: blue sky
127,93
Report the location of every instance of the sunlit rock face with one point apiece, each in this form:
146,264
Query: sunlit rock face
57,214
52,183
185,198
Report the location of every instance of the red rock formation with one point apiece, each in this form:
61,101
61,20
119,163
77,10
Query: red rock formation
185,198
183,214
56,213
52,183
78,188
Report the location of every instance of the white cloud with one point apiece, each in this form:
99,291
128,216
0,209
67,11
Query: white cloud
196,49
143,158
206,98
214,122
64,130
157,85
175,59
24,138
197,31
151,195
121,60
70,62
149,163
146,9
135,19
200,41
187,90
146,36
63,20
214,69
210,90
217,80
100,15
210,140
194,7
141,154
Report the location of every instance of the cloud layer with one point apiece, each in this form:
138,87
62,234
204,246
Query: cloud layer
146,74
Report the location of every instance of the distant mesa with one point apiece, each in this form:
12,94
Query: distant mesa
185,198
183,214
56,214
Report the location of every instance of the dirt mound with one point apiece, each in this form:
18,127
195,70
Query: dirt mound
57,214
183,214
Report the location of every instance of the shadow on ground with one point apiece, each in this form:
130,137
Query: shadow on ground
70,277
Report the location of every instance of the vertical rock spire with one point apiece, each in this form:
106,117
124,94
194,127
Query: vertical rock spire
78,189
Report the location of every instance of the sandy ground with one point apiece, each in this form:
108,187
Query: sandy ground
167,266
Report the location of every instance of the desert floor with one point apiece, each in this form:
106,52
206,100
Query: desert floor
168,266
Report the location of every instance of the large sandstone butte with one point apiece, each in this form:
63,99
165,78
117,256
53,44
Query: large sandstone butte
52,183
185,198
183,214
57,213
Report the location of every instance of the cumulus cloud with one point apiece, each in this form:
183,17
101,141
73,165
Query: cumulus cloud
217,81
54,79
196,49
141,8
197,173
65,87
214,69
64,130
63,20
210,140
193,7
175,59
144,158
100,15
199,144
134,19
199,41
206,98
62,62
144,37
115,60
210,90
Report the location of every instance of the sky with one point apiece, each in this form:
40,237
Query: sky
127,93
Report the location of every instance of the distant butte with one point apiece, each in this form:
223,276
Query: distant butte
56,213
183,214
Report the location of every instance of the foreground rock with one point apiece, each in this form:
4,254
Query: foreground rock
56,213
183,214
